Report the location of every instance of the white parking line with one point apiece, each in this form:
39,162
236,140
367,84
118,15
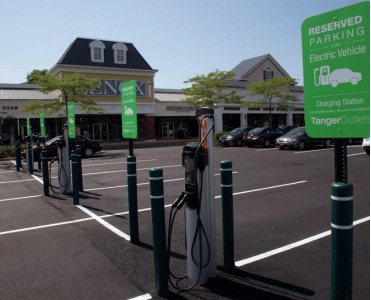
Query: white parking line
17,181
38,179
267,188
142,297
145,183
267,149
107,216
20,198
104,223
7,172
313,150
356,154
120,171
291,246
120,162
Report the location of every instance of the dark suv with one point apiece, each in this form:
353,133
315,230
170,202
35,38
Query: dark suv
264,136
234,137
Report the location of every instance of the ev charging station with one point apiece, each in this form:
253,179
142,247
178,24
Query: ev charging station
200,202
64,174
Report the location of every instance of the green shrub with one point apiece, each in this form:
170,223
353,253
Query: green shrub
218,134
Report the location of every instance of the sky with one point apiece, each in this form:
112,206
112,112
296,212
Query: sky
180,39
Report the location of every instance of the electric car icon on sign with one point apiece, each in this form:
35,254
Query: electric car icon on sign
336,77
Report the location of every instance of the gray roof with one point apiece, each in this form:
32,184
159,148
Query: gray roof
18,86
19,94
168,91
246,65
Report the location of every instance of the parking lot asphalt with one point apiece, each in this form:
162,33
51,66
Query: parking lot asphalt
52,249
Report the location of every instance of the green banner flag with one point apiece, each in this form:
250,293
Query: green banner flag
336,61
28,126
42,124
129,110
18,126
71,120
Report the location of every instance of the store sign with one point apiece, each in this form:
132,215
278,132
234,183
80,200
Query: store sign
113,88
336,59
42,124
129,110
9,107
181,108
71,120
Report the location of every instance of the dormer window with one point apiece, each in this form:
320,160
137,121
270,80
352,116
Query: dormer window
119,53
268,73
97,51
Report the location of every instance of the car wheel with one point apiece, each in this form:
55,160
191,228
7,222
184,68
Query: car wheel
266,143
88,152
239,143
301,145
327,143
334,83
354,81
350,142
367,151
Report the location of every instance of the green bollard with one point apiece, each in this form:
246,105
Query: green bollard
132,199
227,214
158,229
44,157
341,241
38,155
18,155
75,178
79,167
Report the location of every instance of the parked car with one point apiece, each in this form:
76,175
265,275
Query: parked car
88,147
366,145
351,141
287,128
298,138
234,137
264,136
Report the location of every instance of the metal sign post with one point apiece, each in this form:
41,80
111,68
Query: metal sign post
129,113
336,60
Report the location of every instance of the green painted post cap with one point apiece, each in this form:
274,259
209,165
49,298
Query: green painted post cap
226,164
131,159
340,189
155,172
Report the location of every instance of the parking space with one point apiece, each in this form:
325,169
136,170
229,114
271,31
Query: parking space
281,197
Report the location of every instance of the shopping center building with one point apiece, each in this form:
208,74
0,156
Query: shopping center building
161,112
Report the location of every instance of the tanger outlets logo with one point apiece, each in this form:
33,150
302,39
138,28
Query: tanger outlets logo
342,120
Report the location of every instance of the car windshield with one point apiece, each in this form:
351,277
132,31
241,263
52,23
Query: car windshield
236,131
297,131
257,130
51,140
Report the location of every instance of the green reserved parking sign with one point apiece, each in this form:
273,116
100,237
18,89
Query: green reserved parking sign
28,126
71,120
336,61
129,110
42,124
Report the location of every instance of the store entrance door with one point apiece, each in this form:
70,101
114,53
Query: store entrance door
167,130
100,132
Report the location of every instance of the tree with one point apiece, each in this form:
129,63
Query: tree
30,79
206,90
268,90
71,88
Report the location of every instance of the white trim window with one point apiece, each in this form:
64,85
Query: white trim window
268,73
119,53
97,51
